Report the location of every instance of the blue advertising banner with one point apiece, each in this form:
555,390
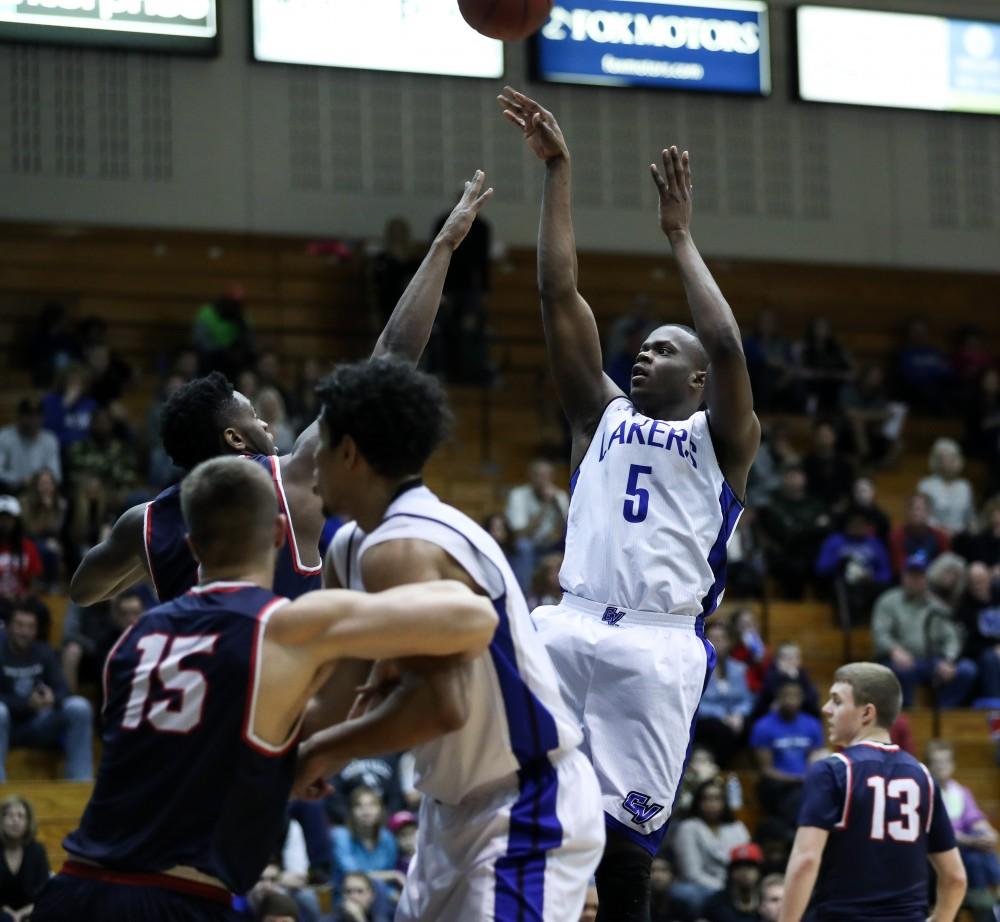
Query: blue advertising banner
719,46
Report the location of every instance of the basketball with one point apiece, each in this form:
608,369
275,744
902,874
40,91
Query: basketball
510,20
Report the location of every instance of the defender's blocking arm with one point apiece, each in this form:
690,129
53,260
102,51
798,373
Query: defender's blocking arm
571,335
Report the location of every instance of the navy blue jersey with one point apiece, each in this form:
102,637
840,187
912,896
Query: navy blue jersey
183,780
174,570
885,815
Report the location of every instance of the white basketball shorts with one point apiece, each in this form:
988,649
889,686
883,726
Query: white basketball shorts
520,852
634,680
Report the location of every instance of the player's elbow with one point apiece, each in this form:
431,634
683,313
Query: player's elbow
953,878
83,591
451,715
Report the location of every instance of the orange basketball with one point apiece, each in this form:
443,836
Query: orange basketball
510,20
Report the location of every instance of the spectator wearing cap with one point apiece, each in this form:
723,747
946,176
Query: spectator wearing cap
916,534
26,448
740,900
403,825
917,638
20,562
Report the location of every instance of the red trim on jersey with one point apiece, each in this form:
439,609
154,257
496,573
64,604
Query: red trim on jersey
147,539
847,791
885,747
140,879
107,664
265,749
223,586
279,487
930,797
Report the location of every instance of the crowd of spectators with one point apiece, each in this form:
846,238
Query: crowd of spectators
928,586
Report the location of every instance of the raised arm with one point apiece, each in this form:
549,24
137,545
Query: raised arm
118,562
409,326
735,428
571,336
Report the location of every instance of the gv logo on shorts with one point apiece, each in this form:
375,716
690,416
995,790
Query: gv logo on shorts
638,804
612,615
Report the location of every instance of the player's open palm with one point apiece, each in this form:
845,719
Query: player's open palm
676,190
464,213
538,125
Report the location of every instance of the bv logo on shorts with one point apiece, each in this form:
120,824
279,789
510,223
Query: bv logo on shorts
612,615
639,806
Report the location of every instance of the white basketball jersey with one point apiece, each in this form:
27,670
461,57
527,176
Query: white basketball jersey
650,516
516,712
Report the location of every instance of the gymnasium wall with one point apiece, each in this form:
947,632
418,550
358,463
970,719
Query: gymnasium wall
114,138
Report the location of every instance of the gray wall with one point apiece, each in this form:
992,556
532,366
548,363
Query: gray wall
111,138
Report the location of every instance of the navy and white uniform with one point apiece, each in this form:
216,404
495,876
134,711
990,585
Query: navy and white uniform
510,827
650,517
885,816
174,570
179,767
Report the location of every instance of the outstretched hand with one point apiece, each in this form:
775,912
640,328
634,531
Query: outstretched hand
538,125
676,191
457,225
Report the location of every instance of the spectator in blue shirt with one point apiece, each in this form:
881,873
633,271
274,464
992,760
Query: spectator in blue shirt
364,844
858,561
727,700
67,409
782,742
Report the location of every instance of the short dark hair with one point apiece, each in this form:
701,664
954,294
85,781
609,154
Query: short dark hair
192,420
229,507
396,415
873,684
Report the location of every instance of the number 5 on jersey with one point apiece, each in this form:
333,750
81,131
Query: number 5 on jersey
169,714
637,505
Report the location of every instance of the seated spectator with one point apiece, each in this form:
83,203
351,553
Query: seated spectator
276,906
740,900
90,633
829,472
748,647
924,373
864,503
35,709
946,579
702,846
537,514
782,741
271,409
916,535
53,344
876,423
222,336
363,844
854,565
499,530
746,563
976,837
43,514
391,267
66,410
972,358
624,344
793,525
822,367
403,825
701,767
775,841
109,373
24,869
772,893
20,562
901,734
982,425
661,901
380,774
979,614
727,701
786,667
26,448
101,470
545,589
360,900
950,495
982,546
769,362
765,474
915,636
